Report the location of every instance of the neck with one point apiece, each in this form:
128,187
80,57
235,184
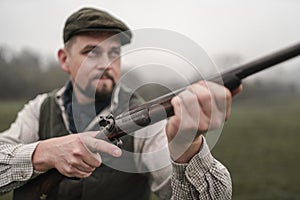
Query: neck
84,97
81,95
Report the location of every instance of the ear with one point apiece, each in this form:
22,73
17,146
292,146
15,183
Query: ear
62,55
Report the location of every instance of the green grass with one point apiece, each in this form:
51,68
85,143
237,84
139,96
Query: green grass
8,112
259,145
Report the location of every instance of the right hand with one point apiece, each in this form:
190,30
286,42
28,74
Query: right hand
74,155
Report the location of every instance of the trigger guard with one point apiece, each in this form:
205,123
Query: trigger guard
118,142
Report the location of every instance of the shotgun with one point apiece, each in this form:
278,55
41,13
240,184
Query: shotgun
160,108
112,128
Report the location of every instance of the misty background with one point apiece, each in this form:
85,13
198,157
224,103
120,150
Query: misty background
259,144
232,32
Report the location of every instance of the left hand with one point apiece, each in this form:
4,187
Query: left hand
201,107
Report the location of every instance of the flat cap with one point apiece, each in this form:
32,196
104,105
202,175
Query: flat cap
91,20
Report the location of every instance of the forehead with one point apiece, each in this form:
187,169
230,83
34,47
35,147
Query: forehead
99,39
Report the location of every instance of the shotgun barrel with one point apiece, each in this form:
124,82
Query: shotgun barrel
161,108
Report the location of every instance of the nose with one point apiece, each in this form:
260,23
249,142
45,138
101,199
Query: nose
104,62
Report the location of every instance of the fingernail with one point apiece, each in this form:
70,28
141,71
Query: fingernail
116,151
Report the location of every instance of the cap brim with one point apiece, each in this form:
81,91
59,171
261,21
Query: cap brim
125,36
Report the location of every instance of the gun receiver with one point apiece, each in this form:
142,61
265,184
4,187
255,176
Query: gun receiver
161,108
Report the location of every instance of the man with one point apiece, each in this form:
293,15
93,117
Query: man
43,135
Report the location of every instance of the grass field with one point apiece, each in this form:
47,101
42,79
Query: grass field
259,145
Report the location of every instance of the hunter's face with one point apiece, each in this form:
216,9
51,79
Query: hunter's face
93,62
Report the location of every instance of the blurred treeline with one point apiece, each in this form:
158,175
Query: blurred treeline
23,75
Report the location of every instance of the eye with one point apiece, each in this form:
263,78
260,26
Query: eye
94,53
114,53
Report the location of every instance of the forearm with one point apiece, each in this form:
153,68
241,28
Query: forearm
202,178
190,152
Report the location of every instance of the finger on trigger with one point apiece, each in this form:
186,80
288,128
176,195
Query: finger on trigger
97,145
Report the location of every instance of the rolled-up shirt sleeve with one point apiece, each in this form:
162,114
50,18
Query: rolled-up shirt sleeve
202,178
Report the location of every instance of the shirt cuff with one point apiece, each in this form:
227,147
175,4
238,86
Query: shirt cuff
21,162
179,170
204,159
202,162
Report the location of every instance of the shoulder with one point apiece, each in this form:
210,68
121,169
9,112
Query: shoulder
33,106
36,103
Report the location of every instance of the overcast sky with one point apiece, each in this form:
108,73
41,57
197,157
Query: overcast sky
250,28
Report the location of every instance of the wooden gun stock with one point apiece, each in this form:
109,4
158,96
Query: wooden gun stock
40,188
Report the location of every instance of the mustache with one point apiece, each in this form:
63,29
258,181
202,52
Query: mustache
88,90
105,74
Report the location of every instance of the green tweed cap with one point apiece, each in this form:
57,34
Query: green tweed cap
92,19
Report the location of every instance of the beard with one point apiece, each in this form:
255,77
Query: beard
106,90
91,91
